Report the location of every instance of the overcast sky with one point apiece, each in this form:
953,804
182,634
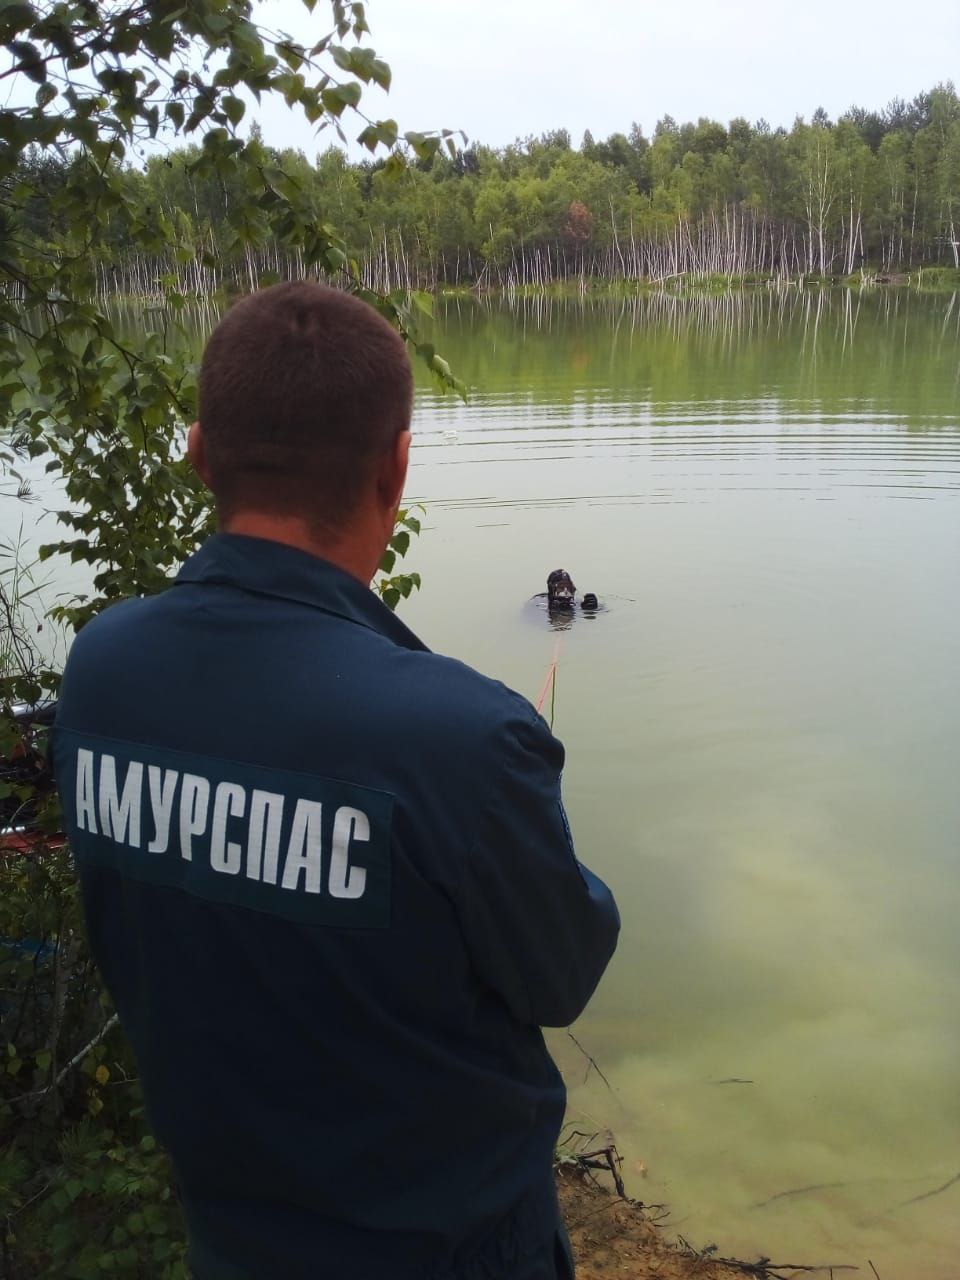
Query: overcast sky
502,69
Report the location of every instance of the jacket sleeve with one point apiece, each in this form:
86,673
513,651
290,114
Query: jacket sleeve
539,927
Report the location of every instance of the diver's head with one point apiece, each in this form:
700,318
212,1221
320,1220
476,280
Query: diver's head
560,590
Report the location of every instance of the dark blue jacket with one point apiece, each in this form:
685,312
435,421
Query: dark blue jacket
331,888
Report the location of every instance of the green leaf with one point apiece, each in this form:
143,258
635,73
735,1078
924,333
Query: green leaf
359,19
29,59
425,145
343,95
291,84
15,17
422,301
292,53
395,165
381,73
233,107
383,131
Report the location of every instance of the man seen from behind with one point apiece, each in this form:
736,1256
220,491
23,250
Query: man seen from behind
327,874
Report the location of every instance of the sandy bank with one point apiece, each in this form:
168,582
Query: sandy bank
616,1237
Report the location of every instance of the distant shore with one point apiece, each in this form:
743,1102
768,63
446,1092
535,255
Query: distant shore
923,279
944,280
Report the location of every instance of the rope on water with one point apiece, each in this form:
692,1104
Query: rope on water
550,683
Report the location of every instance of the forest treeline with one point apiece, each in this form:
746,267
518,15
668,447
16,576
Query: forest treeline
874,190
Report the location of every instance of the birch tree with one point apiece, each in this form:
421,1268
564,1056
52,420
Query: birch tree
817,169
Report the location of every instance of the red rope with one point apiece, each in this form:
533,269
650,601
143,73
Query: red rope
551,675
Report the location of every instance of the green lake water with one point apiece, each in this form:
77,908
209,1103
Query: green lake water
763,729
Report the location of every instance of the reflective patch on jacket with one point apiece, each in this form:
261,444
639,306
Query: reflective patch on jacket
311,849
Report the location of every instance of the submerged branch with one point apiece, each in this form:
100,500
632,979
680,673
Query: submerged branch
928,1195
799,1191
591,1060
764,1269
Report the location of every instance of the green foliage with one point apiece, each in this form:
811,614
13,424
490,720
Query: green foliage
84,1191
102,404
396,587
113,1211
936,279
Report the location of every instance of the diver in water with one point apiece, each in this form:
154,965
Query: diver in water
561,594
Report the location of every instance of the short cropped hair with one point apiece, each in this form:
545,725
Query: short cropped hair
302,389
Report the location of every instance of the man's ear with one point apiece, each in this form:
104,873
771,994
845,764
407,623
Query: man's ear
393,471
196,452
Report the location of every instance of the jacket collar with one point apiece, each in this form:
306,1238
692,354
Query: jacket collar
272,569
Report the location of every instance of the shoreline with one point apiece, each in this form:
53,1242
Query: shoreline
681,285
614,1236
687,284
